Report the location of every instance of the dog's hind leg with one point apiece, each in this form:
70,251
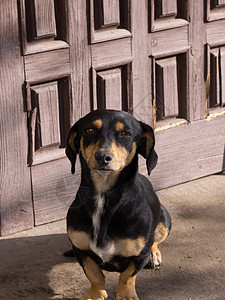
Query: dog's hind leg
97,280
161,233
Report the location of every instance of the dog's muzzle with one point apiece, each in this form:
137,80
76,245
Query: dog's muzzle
103,158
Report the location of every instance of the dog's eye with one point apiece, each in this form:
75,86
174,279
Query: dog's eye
90,131
125,134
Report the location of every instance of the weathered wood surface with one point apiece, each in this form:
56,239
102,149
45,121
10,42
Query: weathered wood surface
164,43
46,66
141,64
188,152
196,56
16,211
44,20
111,53
138,55
80,58
54,189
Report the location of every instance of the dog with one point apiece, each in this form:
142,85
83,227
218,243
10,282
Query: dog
116,221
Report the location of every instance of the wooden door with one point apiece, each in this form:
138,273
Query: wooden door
162,61
56,88
186,44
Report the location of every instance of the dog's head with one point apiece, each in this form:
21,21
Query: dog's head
108,140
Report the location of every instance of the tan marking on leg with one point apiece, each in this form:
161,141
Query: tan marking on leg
155,257
160,235
126,286
79,239
119,126
130,247
97,279
97,123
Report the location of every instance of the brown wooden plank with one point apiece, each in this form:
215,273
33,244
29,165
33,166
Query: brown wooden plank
44,18
46,66
215,33
196,62
177,163
169,42
169,7
80,59
109,87
166,88
16,211
111,12
142,64
111,53
54,189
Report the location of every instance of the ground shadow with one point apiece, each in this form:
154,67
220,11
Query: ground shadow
27,266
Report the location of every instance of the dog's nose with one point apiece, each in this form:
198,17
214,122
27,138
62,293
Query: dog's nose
103,158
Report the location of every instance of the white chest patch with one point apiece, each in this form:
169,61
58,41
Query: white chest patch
107,252
96,217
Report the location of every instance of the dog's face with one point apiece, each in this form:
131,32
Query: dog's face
108,141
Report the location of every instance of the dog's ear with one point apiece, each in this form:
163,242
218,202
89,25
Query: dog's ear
73,146
146,147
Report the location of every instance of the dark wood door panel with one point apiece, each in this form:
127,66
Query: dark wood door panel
108,20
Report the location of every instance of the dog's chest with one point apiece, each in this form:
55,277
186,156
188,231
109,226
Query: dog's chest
100,241
107,251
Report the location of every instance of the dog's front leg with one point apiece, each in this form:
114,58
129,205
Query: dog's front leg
97,280
126,286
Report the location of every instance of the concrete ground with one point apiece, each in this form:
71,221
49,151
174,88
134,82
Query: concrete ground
32,265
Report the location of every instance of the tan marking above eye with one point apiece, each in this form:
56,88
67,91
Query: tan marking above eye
119,126
97,123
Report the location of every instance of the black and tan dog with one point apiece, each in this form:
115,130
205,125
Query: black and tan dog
116,220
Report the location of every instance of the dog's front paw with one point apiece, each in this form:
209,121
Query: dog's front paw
95,294
118,297
126,294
